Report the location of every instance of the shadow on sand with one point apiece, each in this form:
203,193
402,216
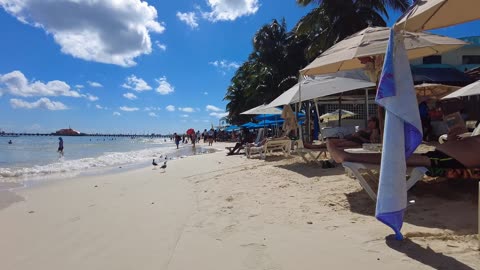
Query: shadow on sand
311,170
425,256
442,204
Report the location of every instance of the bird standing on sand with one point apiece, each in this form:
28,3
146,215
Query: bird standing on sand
154,163
164,166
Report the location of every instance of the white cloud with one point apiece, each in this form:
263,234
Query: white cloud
94,84
108,31
161,46
205,93
230,10
79,86
90,97
42,103
99,107
130,96
186,109
219,114
116,114
189,18
170,108
152,109
128,109
152,114
15,83
211,108
164,87
184,115
136,84
224,65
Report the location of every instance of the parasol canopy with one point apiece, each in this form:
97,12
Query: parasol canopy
263,109
319,87
334,116
469,90
372,41
432,14
434,91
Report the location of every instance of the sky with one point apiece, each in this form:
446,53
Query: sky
129,66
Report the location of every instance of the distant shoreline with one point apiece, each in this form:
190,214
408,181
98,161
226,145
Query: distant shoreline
85,135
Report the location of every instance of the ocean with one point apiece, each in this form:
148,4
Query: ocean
30,157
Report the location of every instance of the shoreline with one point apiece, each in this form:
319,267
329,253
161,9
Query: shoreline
229,212
26,181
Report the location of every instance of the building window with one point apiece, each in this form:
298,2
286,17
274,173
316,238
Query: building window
433,59
470,59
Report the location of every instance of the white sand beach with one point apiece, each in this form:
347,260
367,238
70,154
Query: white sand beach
217,212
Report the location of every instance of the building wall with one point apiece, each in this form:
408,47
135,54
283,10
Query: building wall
455,58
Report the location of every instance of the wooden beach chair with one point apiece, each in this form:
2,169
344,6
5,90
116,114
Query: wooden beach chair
306,153
270,146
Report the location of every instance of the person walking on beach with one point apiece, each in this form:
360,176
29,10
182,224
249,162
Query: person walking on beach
177,139
205,136
210,137
60,146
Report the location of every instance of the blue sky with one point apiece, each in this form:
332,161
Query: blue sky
142,66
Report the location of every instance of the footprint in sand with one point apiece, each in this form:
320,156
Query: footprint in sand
331,228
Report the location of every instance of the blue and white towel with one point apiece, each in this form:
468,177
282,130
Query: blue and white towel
402,133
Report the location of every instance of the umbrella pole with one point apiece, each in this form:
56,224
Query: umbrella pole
366,108
300,137
318,117
340,111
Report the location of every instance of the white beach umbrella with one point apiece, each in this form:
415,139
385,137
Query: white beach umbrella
432,14
319,87
469,90
263,109
335,115
366,45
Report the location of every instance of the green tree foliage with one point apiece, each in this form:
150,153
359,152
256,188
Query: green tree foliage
278,54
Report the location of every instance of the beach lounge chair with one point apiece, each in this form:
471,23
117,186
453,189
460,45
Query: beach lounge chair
443,138
356,163
260,136
306,153
270,146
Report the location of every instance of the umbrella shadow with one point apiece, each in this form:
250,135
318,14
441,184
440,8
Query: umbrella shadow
441,204
426,256
311,170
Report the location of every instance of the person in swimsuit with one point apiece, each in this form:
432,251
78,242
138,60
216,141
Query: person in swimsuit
370,135
60,146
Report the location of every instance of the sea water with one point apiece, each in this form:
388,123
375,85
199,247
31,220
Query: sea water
36,156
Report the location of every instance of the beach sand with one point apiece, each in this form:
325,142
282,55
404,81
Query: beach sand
217,212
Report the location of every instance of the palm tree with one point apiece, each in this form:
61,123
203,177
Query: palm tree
334,20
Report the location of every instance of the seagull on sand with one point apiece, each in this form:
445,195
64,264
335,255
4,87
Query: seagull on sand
164,166
154,163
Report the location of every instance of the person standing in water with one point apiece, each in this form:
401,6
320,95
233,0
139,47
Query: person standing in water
60,146
177,139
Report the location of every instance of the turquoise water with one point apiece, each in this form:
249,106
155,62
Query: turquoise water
30,156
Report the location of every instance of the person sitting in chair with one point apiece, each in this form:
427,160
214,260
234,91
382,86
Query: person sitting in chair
370,135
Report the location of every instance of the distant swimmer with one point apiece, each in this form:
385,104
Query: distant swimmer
10,142
60,146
